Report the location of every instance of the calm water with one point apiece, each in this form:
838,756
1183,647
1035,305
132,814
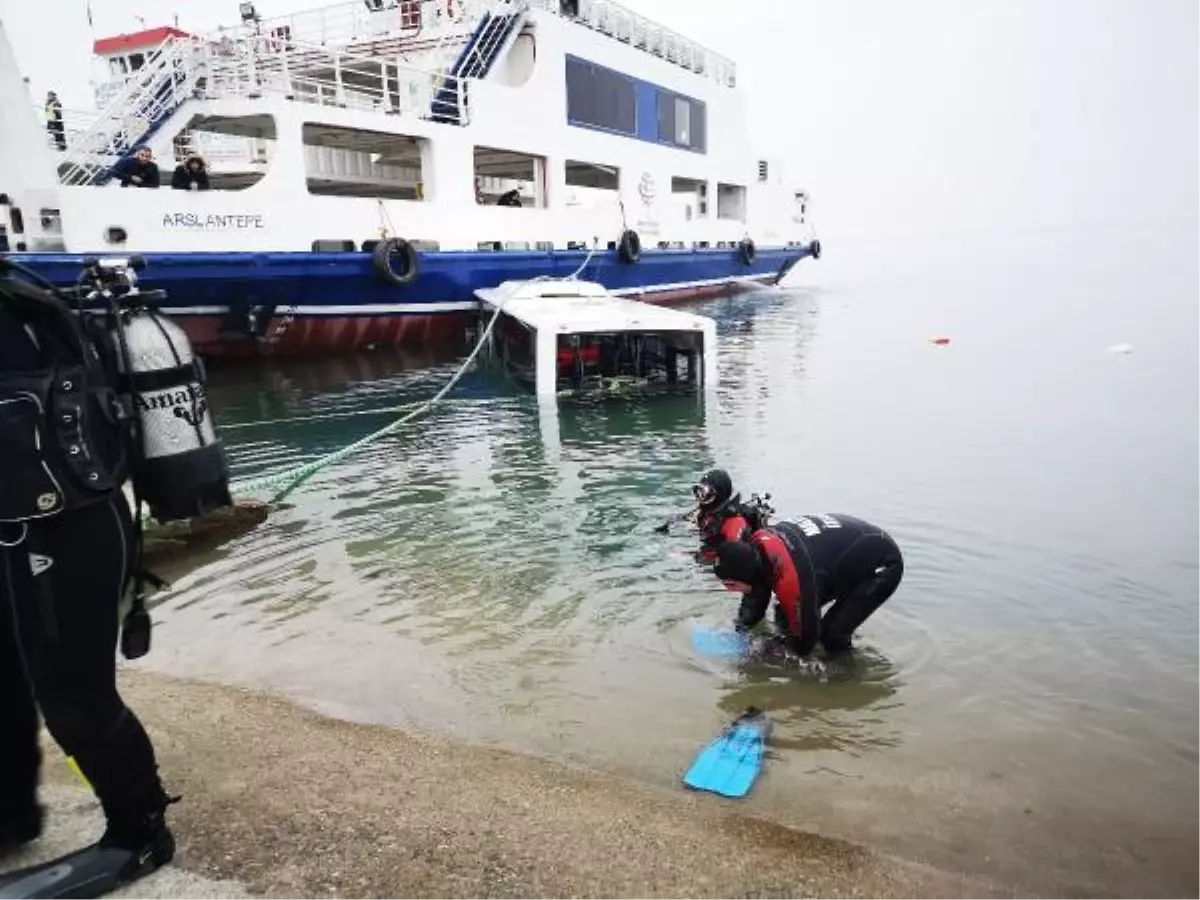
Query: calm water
1025,707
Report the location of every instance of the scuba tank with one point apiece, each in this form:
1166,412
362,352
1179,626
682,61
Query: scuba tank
179,464
181,470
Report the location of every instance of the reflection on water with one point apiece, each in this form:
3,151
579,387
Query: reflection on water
843,706
492,568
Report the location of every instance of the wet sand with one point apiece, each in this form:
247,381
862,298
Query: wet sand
281,801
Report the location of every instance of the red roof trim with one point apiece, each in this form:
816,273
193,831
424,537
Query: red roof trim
151,37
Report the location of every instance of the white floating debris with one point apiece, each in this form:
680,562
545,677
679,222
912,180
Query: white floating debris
1121,348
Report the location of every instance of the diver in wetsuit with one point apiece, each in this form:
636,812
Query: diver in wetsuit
808,564
66,559
721,515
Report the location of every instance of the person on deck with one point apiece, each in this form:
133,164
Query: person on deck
721,515
808,564
191,175
54,121
138,171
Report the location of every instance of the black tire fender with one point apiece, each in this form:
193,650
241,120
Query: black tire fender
383,259
630,247
747,251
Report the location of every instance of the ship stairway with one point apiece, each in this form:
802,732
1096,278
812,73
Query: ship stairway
148,100
495,32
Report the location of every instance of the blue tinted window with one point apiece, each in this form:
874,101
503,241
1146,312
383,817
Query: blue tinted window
600,97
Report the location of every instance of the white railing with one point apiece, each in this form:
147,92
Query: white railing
368,21
365,22
330,77
150,94
623,24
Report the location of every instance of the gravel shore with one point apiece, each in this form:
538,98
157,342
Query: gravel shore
281,801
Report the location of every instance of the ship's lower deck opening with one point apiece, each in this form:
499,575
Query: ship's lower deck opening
236,150
348,162
509,178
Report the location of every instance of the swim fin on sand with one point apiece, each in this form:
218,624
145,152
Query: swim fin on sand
730,764
90,872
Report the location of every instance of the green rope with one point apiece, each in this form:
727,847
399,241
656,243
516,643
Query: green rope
290,479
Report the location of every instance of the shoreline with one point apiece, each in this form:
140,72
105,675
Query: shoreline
280,800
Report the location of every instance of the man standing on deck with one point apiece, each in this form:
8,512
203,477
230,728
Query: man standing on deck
54,120
806,565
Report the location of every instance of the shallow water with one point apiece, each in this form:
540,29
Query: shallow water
1025,707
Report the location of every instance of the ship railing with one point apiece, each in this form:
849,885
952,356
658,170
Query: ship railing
367,27
149,97
638,31
331,77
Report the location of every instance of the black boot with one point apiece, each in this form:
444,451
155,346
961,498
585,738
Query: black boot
137,824
20,826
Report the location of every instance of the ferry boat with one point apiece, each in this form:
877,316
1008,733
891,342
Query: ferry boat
370,165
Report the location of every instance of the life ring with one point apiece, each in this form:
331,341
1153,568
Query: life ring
385,250
630,247
814,249
747,251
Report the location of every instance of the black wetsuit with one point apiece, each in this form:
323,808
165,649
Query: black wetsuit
815,561
61,581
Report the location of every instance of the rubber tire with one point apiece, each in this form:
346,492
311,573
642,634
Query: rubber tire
382,260
630,247
747,251
814,249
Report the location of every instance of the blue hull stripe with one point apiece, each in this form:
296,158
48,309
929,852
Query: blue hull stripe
348,284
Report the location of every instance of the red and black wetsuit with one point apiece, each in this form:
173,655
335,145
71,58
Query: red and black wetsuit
728,522
817,560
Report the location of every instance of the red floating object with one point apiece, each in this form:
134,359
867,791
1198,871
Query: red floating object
940,341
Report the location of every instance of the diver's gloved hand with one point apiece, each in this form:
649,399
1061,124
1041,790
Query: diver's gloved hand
808,665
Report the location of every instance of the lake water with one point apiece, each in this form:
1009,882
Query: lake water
1025,706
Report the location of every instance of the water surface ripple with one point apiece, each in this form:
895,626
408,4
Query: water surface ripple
1025,707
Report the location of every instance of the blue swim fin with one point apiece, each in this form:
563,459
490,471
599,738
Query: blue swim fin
730,764
723,643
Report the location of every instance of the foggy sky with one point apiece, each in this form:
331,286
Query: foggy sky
897,115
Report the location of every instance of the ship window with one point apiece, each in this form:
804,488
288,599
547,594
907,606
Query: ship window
592,175
509,178
681,121
136,61
410,14
600,98
691,195
348,162
237,150
731,202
